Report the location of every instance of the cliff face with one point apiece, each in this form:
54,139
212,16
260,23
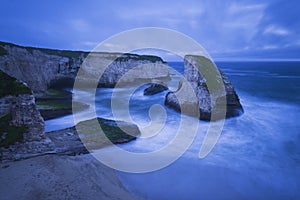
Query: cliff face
20,121
132,69
23,112
200,74
40,67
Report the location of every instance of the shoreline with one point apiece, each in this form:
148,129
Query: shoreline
61,177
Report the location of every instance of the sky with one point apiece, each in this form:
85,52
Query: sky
227,29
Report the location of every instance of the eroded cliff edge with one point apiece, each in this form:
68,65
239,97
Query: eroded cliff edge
205,90
40,68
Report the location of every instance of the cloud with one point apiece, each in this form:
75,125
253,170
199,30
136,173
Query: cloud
79,25
166,14
245,8
222,27
267,47
244,18
276,30
172,10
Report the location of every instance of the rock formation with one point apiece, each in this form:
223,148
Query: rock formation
130,69
22,127
155,88
207,94
18,111
40,68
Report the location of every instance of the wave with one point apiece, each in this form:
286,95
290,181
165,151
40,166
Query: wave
257,156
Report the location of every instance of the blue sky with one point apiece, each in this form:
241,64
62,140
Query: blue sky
228,30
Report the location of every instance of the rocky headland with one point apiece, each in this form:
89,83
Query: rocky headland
41,68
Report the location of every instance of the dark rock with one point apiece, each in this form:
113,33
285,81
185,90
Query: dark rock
155,88
55,113
111,131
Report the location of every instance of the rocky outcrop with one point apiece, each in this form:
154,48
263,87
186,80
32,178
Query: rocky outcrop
24,113
18,110
208,94
74,140
21,125
70,141
40,68
155,88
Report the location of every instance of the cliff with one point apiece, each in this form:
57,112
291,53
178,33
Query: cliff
40,68
21,124
20,121
206,94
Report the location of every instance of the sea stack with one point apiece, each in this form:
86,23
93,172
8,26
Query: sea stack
214,95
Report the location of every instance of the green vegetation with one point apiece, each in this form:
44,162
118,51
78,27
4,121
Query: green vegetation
10,86
54,94
128,56
76,54
94,138
2,51
10,134
64,53
112,131
54,100
209,72
52,105
56,103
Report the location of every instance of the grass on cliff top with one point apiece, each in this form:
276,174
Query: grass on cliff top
209,72
10,134
76,54
63,53
10,86
128,56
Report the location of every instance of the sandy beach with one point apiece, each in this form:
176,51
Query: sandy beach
60,177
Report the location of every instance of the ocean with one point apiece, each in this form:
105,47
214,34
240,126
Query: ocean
257,155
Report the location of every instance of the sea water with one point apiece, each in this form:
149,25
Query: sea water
257,155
